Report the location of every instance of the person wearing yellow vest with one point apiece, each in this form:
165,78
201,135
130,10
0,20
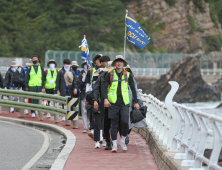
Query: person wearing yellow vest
117,100
50,79
34,79
88,81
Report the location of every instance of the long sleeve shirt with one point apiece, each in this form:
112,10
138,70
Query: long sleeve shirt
119,93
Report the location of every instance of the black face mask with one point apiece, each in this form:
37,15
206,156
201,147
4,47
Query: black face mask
74,68
35,62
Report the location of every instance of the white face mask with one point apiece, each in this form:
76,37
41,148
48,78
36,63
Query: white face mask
14,68
52,67
85,67
67,67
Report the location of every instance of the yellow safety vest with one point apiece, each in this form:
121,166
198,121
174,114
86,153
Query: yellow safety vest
112,92
94,70
35,78
51,78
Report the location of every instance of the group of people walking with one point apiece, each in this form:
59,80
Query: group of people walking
107,94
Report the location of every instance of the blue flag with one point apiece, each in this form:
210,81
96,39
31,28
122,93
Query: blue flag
136,34
85,53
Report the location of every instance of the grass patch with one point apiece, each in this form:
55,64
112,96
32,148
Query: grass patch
192,25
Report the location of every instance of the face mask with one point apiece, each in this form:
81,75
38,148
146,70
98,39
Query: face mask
35,62
85,67
74,68
67,67
14,69
52,67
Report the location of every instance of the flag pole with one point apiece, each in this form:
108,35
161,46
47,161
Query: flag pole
125,36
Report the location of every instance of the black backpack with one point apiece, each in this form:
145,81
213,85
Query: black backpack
17,78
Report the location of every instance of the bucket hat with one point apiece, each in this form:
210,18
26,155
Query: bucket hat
68,76
120,57
74,63
52,61
13,64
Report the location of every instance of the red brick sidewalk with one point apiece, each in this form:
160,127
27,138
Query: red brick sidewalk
84,156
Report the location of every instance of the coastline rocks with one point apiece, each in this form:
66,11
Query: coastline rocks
192,87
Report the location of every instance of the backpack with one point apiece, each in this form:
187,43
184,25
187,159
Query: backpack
46,71
112,76
17,78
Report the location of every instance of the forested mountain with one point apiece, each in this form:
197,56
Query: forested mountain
30,27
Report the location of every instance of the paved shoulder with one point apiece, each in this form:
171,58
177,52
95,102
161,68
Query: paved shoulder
18,145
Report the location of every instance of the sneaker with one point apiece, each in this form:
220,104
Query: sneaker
127,140
123,146
97,145
91,135
114,148
104,143
101,140
33,114
84,131
48,115
63,118
12,110
26,112
108,146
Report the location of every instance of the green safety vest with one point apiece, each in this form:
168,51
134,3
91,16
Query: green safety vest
49,78
35,78
94,70
112,93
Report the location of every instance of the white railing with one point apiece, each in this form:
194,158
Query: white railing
184,130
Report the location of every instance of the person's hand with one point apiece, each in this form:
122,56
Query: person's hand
27,89
83,74
43,90
58,92
96,105
107,103
136,105
21,66
75,91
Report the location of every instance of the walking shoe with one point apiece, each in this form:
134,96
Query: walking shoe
63,118
91,135
104,143
33,114
12,110
84,131
97,145
108,146
26,112
101,140
127,140
123,146
48,115
114,148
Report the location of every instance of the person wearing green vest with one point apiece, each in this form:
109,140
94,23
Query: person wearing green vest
117,100
50,79
88,81
34,79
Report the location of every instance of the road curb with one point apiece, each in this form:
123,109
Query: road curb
60,161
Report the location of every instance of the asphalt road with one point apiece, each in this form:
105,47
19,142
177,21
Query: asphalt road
18,145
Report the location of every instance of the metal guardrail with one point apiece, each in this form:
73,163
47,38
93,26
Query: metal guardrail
54,108
184,130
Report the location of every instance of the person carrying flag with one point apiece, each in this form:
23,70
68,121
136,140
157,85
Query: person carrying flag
117,101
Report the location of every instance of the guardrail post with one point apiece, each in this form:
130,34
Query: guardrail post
171,142
56,104
21,111
67,122
40,114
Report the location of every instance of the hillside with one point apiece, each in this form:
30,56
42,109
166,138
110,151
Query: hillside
30,27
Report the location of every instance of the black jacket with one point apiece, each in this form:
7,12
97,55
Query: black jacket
8,77
81,86
1,80
61,84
